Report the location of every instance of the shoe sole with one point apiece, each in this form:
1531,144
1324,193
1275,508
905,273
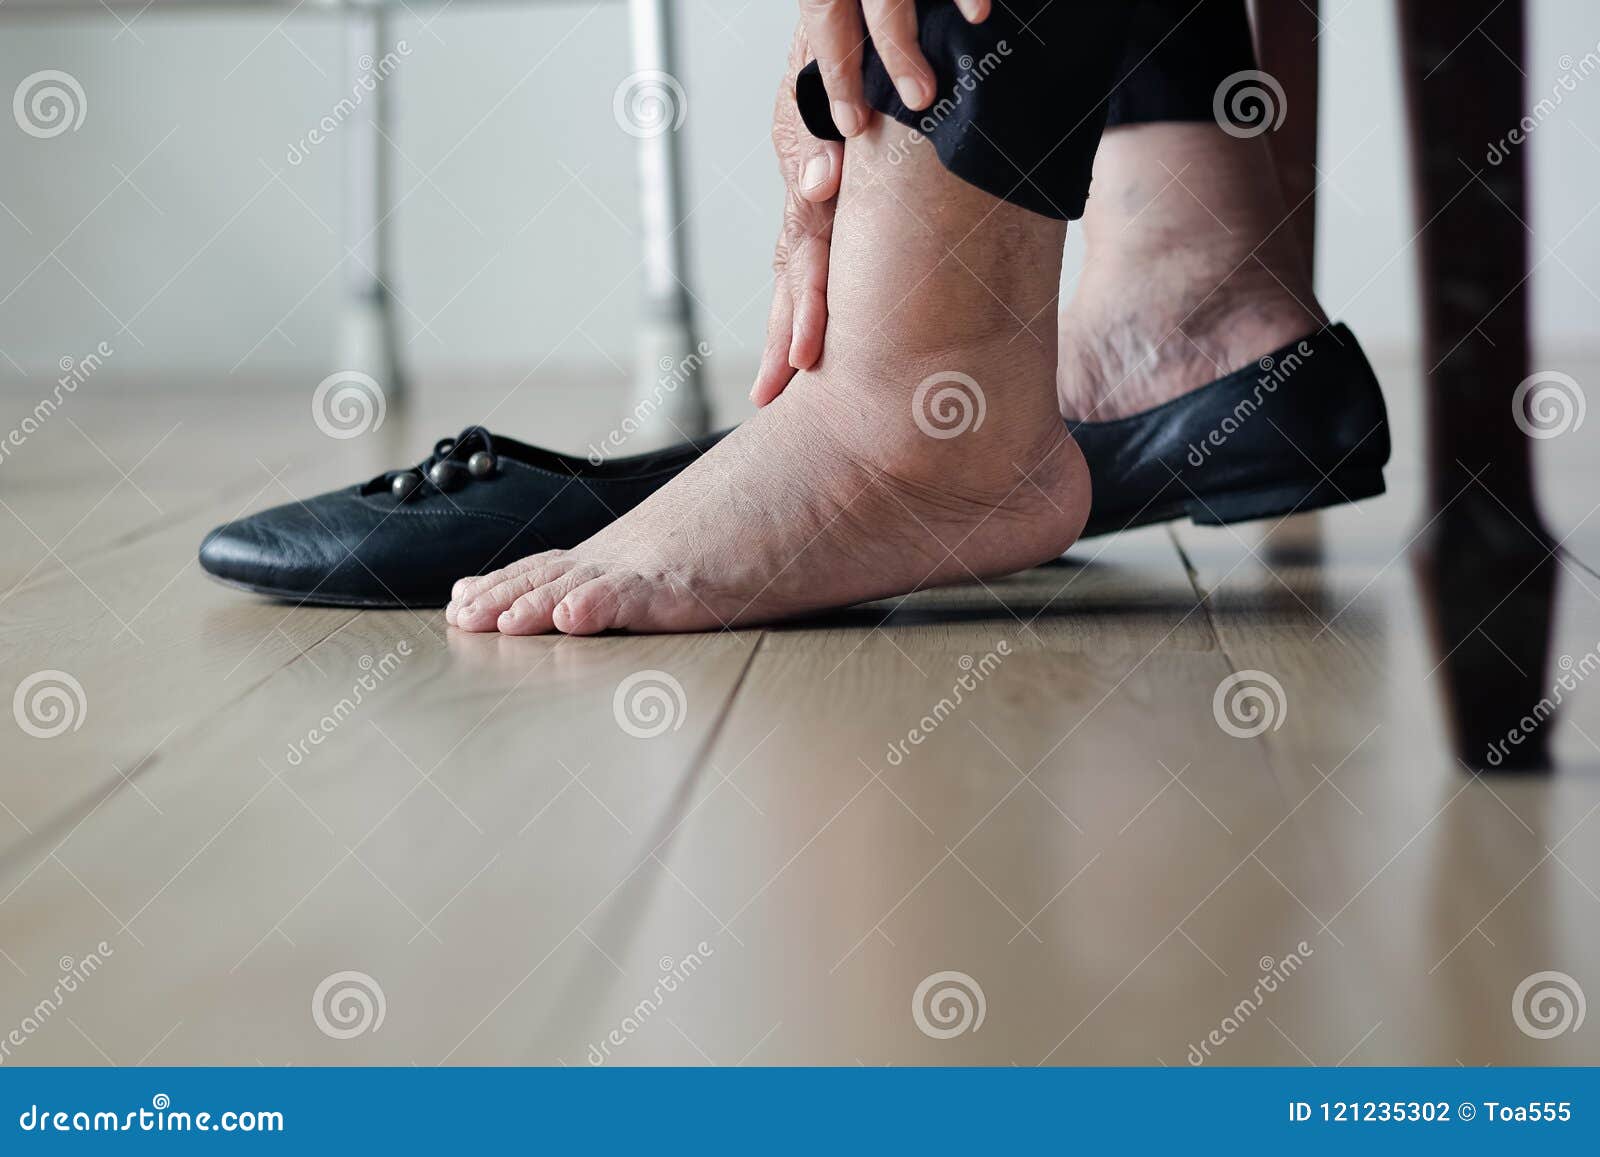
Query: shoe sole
1282,501
300,598
1225,508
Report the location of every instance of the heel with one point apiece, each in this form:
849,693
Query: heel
1284,499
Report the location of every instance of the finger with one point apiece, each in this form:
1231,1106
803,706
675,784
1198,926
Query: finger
976,11
893,25
776,372
808,281
821,171
836,35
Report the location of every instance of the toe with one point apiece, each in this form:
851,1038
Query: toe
482,608
592,607
532,613
470,587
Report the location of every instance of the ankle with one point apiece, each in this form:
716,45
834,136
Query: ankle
917,410
921,260
942,305
1192,320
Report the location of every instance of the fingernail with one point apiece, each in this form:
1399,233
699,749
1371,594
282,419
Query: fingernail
509,616
913,91
816,172
845,118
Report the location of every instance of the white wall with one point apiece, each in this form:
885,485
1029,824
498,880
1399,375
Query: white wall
174,212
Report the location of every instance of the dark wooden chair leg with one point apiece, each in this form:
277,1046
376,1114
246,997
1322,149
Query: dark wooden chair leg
1286,47
1484,562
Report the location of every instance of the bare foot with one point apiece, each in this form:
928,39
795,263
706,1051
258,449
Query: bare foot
1191,270
924,449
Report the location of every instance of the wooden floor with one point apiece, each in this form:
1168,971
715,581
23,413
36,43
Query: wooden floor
480,848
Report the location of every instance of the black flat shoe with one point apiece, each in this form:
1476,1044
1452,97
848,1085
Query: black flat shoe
402,539
1302,428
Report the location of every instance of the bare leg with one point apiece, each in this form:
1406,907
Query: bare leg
1191,270
925,448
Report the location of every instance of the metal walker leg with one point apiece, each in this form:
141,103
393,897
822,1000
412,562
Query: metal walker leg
669,401
368,334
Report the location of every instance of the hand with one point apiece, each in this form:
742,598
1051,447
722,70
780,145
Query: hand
811,171
834,28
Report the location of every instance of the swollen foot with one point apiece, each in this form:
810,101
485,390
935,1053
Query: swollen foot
925,449
821,500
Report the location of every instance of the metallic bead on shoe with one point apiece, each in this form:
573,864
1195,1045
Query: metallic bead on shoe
447,475
481,464
404,484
